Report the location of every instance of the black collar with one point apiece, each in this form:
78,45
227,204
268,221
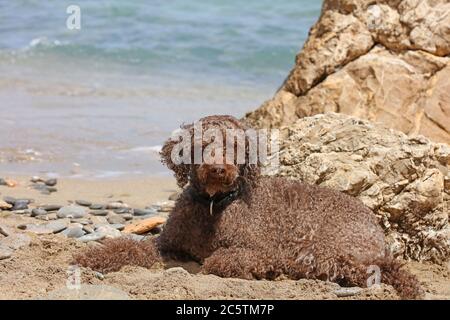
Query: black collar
217,201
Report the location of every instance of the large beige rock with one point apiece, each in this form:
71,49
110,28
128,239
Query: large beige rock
406,181
386,62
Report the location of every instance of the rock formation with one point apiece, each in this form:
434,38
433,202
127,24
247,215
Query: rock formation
386,61
405,180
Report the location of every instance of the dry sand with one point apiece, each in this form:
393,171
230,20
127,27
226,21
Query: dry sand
41,270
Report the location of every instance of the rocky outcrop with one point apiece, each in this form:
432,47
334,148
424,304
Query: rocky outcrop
386,61
406,181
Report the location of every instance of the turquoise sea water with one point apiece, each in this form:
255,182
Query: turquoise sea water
101,99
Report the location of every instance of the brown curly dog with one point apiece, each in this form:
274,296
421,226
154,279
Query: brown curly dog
240,224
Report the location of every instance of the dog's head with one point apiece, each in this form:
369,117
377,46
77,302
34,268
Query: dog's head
212,155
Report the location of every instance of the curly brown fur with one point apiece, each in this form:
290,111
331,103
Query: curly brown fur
277,227
243,225
119,252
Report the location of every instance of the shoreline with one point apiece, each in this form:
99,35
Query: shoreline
135,191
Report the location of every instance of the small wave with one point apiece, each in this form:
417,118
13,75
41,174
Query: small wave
146,149
43,42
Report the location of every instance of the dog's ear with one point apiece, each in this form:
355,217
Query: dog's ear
181,171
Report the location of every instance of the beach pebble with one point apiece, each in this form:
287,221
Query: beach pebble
48,228
9,200
88,229
26,211
98,220
5,230
5,252
16,241
36,179
118,226
108,231
94,236
72,212
4,205
99,212
97,206
122,210
52,207
38,212
127,216
51,189
20,205
51,182
74,231
116,205
42,217
2,182
347,292
144,212
82,221
83,203
52,216
116,219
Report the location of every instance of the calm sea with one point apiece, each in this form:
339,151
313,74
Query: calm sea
98,101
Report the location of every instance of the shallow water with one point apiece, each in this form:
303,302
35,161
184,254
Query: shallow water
99,101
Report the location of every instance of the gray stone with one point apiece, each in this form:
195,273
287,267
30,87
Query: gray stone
97,206
38,212
122,210
72,212
83,203
48,228
36,179
9,200
99,212
20,205
88,229
51,189
108,231
94,236
116,219
144,212
82,221
51,182
118,226
96,220
116,205
88,292
74,232
16,241
52,207
127,216
26,211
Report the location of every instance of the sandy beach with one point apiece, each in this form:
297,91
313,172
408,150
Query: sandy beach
41,269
